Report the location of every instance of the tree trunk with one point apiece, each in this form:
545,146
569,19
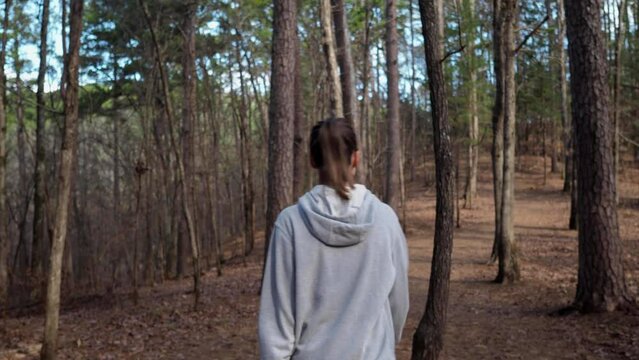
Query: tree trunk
506,248
38,248
616,96
428,339
347,74
393,146
328,42
67,159
563,85
4,216
473,112
601,284
168,112
498,124
282,110
413,105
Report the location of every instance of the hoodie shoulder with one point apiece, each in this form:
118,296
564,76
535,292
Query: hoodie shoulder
287,218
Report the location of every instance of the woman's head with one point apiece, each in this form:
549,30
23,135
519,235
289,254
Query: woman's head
333,148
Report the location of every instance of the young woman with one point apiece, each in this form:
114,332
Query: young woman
335,283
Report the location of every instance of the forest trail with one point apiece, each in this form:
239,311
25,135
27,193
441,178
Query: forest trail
485,321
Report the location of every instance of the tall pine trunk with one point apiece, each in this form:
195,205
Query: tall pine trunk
281,111
67,160
601,284
428,339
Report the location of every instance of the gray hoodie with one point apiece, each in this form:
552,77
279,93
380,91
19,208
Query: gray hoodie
335,283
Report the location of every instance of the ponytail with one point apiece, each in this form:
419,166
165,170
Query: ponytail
332,144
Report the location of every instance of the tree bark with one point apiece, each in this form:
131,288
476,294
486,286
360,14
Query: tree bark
601,284
67,160
281,111
393,147
38,248
506,248
428,339
328,42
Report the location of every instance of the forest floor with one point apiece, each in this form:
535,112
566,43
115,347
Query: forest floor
485,320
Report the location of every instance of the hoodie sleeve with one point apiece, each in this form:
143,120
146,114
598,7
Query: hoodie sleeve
276,320
398,297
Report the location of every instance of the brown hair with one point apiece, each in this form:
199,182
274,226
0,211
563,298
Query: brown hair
332,144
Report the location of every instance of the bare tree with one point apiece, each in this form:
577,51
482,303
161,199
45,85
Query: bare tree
67,160
4,216
393,150
38,249
184,189
428,339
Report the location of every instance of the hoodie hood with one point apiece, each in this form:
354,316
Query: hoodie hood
335,221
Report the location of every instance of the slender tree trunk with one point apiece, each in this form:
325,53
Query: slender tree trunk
616,95
347,74
428,339
473,112
67,160
328,42
393,147
4,216
601,284
38,248
168,112
563,85
413,104
282,111
364,133
498,124
506,248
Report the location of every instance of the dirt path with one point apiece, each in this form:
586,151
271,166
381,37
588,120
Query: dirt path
486,321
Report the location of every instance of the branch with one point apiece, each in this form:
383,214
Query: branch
530,34
452,52
628,140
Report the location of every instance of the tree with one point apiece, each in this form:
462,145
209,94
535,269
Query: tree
601,284
428,339
347,74
38,249
281,111
4,233
505,13
393,147
473,111
67,160
181,172
328,42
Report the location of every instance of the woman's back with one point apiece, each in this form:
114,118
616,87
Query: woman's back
335,283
